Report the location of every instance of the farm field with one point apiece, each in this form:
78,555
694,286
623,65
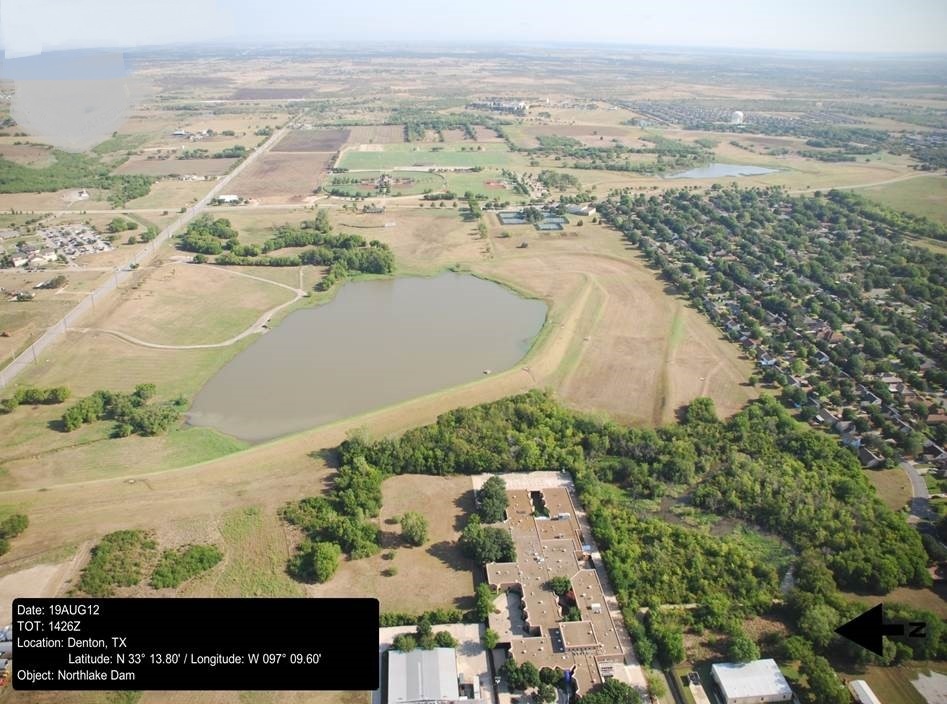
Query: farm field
375,134
282,177
393,156
327,140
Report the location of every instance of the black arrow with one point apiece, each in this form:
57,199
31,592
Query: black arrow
868,630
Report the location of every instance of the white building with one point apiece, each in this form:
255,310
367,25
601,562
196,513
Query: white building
428,676
751,682
862,692
229,199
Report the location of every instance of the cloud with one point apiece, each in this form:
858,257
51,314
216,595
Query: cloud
30,27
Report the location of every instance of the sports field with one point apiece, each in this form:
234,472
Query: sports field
453,155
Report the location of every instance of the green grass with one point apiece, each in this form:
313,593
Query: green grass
926,195
120,142
256,556
463,182
394,156
768,549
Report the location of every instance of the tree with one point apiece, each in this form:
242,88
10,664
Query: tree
414,528
547,693
657,684
490,639
443,639
529,674
612,691
484,599
559,585
487,543
818,624
742,649
493,500
824,685
548,675
404,642
315,561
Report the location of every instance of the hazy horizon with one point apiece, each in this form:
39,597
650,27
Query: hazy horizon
872,27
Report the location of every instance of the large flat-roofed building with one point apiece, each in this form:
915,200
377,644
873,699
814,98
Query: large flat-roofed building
751,682
423,676
552,541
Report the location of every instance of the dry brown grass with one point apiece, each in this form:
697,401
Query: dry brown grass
166,167
329,140
161,306
27,154
376,134
445,502
892,485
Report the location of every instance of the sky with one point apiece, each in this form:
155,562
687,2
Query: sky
28,27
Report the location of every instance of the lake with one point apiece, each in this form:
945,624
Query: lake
374,344
717,170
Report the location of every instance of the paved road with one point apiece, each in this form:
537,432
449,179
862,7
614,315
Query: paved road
921,503
58,329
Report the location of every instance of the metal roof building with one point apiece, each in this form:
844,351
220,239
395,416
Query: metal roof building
422,675
862,692
757,681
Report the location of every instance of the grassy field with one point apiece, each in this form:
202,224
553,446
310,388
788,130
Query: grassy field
393,156
892,485
925,195
160,306
255,549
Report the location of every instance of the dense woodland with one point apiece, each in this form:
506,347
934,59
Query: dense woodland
343,254
72,171
761,466
670,154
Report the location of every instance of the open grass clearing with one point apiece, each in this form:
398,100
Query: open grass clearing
445,502
892,485
925,195
172,194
